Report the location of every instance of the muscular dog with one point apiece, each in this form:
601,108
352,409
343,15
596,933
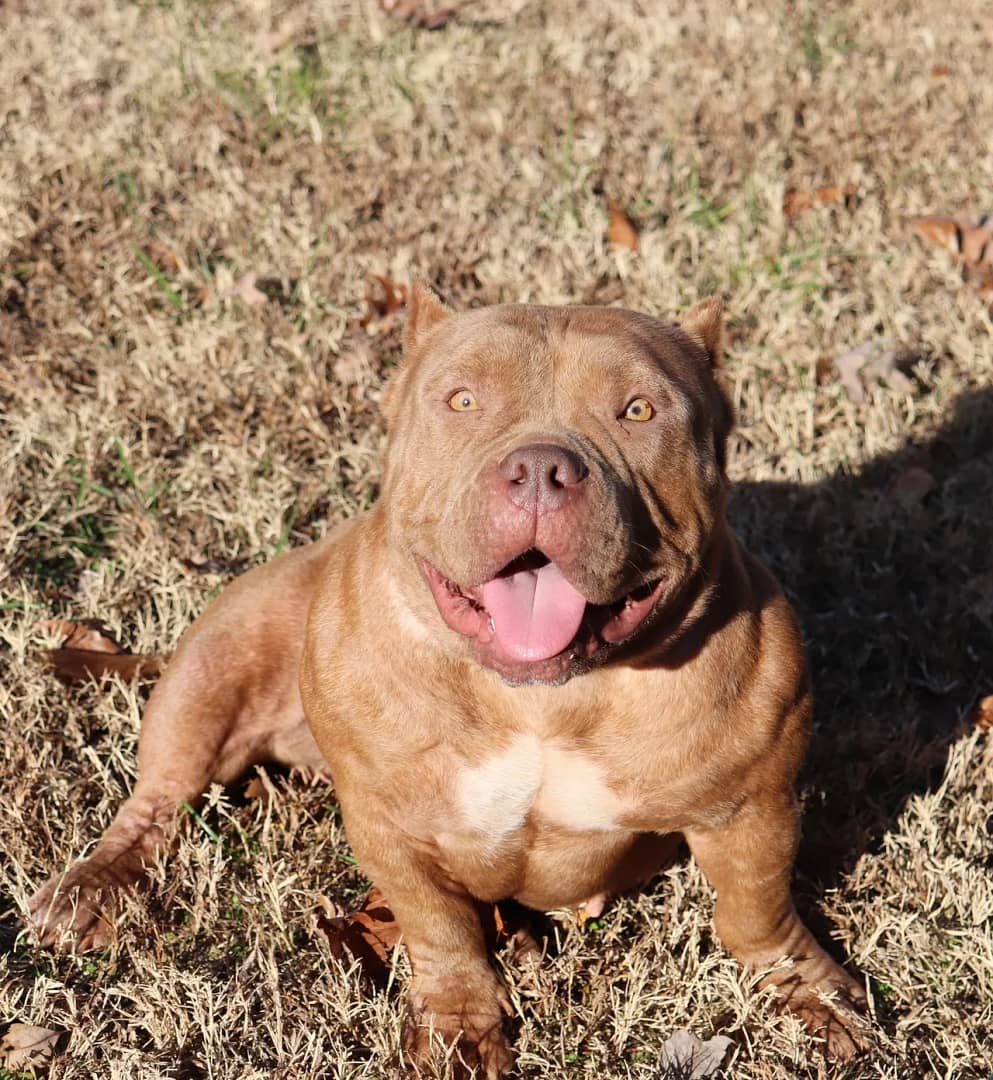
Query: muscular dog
533,664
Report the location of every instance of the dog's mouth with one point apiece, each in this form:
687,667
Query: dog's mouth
530,614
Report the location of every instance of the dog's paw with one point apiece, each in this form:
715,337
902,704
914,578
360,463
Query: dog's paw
459,1033
833,1009
78,908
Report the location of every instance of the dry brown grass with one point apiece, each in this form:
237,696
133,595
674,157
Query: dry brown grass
150,417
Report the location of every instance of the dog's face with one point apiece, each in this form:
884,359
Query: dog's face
556,472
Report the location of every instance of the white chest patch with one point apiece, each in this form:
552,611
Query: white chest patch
560,786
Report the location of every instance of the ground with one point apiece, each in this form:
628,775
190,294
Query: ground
160,407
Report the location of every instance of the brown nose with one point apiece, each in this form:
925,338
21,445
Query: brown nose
542,476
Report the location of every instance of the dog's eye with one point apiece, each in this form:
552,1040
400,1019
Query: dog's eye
463,401
639,409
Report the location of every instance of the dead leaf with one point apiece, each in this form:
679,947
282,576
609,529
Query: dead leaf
87,650
796,202
621,230
969,244
76,665
418,13
940,230
982,716
939,71
244,290
869,364
823,369
260,788
25,1046
685,1057
163,257
367,934
384,307
977,246
254,789
371,932
912,484
90,636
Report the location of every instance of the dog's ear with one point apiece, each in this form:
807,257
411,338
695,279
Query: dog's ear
704,323
424,311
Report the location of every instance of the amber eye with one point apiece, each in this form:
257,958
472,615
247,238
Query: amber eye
639,409
463,401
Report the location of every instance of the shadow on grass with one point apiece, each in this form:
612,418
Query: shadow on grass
895,595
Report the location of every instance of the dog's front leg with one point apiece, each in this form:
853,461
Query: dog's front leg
456,1002
749,861
227,700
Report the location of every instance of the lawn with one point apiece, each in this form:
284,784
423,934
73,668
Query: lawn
194,196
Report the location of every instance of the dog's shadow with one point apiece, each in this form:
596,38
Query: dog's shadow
891,573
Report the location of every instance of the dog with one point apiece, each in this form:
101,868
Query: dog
538,661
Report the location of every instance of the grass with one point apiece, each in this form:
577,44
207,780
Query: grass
151,417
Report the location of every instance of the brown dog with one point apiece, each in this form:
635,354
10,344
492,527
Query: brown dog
538,659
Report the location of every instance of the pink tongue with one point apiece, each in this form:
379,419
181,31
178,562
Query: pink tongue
536,613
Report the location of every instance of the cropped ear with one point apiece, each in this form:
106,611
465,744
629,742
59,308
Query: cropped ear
424,311
705,325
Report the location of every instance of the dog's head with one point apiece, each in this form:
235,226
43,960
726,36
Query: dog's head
557,473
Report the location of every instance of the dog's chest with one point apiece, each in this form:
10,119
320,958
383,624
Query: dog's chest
552,784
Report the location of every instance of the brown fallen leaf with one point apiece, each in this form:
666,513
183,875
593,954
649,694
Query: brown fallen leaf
371,932
621,230
912,484
367,934
970,245
939,71
511,927
685,1056
76,665
941,230
823,369
254,789
982,715
418,13
89,635
163,257
796,202
26,1047
384,307
260,788
977,246
87,650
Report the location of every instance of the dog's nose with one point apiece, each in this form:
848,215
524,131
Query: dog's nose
542,475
